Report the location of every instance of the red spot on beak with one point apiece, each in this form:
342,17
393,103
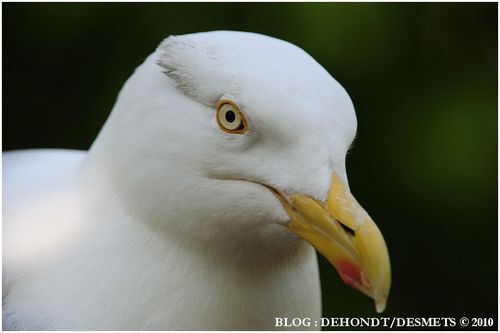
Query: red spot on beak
350,274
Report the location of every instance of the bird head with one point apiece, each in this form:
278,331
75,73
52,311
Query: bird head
235,135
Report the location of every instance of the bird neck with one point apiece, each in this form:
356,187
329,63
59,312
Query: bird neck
265,243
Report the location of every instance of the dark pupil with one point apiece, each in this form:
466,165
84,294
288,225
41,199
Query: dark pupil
230,116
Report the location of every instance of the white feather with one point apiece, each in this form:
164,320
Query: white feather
163,224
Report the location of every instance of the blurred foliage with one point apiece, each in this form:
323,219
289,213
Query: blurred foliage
423,79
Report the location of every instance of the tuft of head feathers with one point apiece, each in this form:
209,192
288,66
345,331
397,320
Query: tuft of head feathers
194,66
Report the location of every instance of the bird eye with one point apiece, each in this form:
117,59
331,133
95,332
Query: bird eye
229,117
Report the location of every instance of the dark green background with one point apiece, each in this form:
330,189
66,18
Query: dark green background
423,79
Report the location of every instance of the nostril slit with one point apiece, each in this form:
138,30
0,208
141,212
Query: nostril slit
347,229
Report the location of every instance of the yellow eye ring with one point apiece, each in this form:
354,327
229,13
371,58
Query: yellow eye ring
229,117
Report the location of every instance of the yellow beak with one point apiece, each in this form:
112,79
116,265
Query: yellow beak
344,233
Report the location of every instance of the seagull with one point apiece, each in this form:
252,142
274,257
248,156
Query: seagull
200,204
